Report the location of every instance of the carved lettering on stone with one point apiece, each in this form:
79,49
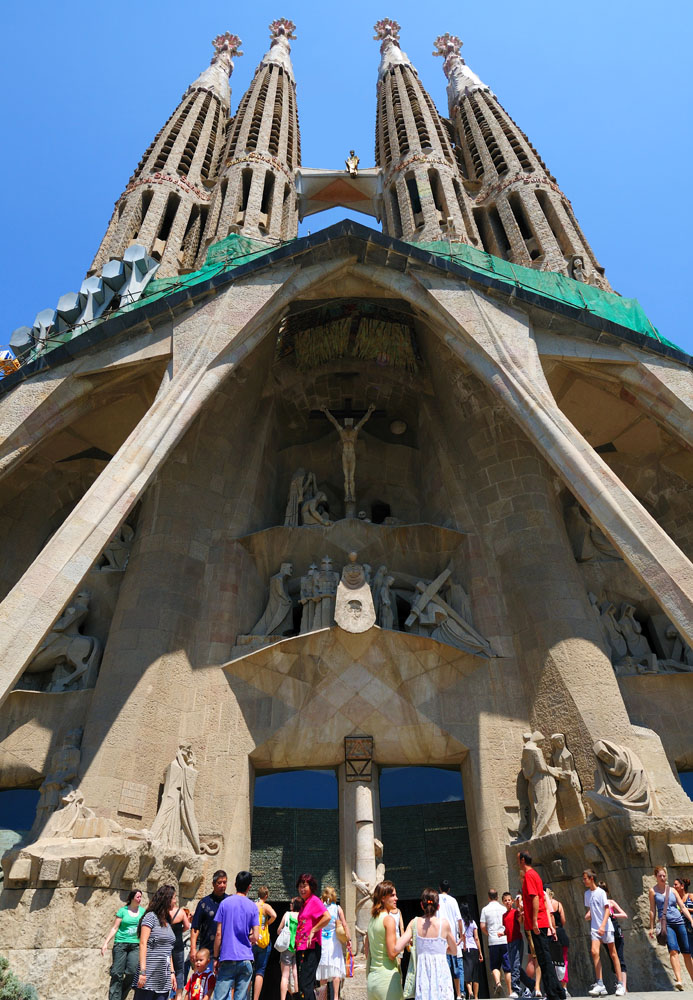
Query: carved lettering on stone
133,797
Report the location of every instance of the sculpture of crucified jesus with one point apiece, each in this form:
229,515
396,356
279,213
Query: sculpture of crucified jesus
348,435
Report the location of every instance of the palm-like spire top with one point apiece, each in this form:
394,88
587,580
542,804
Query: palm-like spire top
281,32
461,79
216,76
226,46
387,33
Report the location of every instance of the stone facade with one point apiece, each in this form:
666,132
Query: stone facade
519,509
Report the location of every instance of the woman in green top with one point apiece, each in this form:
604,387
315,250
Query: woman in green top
125,946
287,959
384,980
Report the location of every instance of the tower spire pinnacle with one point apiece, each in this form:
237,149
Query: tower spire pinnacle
519,210
387,33
281,32
216,76
461,79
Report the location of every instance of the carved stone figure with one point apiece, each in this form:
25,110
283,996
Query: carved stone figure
348,435
303,486
277,618
387,607
312,510
352,164
308,599
73,657
612,631
681,652
63,821
61,772
587,539
631,629
354,611
577,270
571,811
377,583
431,615
117,552
542,785
175,825
326,583
620,782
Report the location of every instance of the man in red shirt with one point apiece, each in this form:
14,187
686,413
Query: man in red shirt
539,923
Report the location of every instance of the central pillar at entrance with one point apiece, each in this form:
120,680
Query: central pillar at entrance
360,848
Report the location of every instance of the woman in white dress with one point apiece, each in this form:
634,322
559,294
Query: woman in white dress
332,957
434,939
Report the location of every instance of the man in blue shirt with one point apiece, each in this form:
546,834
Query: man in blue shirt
203,927
238,928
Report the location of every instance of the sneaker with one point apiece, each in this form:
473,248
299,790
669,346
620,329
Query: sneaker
513,996
620,990
677,985
598,990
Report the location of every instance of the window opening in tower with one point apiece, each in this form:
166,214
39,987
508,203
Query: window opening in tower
414,198
266,205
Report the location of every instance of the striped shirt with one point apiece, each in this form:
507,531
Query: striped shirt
159,947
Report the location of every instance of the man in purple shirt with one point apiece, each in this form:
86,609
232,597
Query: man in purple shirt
237,931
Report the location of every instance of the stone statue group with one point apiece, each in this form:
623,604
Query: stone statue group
556,799
438,609
629,647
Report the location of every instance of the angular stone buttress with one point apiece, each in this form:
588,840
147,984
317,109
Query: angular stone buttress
506,450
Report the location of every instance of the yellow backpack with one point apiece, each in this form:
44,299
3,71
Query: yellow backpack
263,937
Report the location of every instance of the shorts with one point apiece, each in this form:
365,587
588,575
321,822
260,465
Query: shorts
497,954
470,961
677,938
287,957
606,938
456,967
261,958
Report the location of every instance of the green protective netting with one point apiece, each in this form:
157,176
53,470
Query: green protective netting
606,305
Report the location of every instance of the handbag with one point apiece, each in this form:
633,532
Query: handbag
349,963
340,932
662,932
283,942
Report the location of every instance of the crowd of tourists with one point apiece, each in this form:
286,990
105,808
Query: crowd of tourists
437,957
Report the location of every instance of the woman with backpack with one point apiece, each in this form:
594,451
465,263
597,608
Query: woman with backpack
262,947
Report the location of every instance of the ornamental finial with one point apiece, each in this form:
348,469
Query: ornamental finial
282,28
386,30
447,45
228,43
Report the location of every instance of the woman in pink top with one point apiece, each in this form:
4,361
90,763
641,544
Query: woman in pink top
311,920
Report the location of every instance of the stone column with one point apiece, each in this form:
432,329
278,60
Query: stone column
358,813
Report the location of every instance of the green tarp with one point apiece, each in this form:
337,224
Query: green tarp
607,305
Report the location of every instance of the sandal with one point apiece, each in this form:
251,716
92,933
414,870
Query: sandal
678,985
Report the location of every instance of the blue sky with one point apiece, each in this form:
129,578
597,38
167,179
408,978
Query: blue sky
602,89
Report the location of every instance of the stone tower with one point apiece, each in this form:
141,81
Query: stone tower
423,186
164,206
519,210
256,193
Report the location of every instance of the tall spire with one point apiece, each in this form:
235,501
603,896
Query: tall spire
256,193
519,209
424,197
165,205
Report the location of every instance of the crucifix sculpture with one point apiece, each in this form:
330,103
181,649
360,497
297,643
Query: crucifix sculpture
348,435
